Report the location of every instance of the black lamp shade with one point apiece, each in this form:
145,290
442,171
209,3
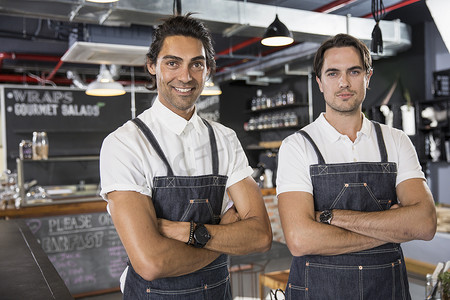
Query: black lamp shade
277,34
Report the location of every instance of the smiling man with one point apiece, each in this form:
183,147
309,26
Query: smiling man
167,175
350,190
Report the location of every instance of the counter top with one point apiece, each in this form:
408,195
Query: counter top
25,270
269,192
88,205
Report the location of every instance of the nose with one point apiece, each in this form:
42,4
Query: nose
343,81
185,75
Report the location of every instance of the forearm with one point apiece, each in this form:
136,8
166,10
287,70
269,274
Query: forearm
306,236
323,239
241,237
395,225
236,238
176,258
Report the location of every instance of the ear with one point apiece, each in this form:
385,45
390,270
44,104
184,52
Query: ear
151,68
369,75
319,83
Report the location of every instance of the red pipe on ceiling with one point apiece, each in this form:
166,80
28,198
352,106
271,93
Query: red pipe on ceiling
49,77
239,46
332,6
394,7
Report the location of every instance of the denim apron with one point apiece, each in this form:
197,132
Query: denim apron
185,198
377,273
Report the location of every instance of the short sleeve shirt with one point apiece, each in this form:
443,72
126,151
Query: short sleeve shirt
296,153
129,163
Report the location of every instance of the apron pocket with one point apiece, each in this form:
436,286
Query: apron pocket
295,292
351,191
200,211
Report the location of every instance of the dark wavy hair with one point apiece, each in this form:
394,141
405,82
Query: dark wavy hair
342,40
185,26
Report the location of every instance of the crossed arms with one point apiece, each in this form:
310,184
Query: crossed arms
157,247
352,231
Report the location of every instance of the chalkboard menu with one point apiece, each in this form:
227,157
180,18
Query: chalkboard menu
85,249
76,125
75,122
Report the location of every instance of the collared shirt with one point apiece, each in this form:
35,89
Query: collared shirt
129,163
296,153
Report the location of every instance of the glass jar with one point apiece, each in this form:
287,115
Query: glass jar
40,145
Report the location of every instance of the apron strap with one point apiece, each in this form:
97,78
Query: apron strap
214,153
151,138
380,140
316,149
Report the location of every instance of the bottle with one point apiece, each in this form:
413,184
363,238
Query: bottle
25,149
253,104
290,97
36,144
44,145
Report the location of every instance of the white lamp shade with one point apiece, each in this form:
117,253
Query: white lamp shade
277,41
97,88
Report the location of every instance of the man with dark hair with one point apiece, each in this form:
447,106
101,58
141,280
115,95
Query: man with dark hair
167,174
350,190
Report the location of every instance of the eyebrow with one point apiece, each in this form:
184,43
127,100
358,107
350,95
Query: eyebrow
349,69
200,57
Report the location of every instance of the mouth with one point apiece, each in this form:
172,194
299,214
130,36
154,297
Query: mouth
345,95
183,90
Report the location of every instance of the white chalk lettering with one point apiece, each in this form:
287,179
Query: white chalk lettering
81,110
71,242
69,223
50,97
35,109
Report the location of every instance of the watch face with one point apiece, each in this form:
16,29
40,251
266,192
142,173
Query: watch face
325,216
201,235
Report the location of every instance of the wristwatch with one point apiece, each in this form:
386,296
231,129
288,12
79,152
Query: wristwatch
326,216
201,236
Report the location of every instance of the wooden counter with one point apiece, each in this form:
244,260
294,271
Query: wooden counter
269,192
56,209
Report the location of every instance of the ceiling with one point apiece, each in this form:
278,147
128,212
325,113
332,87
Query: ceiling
40,41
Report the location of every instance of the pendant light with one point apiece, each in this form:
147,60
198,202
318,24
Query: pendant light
378,12
210,89
277,34
104,85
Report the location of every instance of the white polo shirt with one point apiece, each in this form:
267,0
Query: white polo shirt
129,163
296,153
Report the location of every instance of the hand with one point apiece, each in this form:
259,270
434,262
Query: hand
230,216
395,206
174,230
318,215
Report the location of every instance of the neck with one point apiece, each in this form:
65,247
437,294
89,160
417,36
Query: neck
348,125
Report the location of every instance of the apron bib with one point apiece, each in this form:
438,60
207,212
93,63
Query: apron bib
377,273
185,198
